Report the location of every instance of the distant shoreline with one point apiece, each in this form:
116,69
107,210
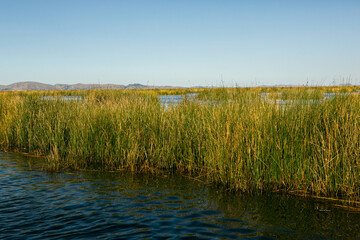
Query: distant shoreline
37,86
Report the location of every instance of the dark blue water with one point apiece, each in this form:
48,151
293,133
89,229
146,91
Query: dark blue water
98,205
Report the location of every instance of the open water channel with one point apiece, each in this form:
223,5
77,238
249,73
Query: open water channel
117,205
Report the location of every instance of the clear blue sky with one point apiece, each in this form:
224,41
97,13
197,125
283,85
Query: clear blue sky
180,42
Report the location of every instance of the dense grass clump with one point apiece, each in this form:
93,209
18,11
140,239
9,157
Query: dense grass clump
234,137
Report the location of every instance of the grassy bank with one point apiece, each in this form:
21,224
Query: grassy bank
238,140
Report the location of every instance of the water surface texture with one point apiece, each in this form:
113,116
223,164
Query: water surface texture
100,205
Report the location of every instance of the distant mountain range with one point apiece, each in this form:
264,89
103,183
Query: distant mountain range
31,86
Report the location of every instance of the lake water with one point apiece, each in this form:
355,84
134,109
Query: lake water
172,100
102,205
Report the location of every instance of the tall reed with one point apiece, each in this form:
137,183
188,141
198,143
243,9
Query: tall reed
237,139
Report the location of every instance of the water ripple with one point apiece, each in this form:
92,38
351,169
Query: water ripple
38,205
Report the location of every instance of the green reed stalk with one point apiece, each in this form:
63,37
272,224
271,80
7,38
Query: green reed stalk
238,140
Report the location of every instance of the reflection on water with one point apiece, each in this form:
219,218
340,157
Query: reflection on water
39,205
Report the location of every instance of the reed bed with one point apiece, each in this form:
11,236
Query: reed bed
242,141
